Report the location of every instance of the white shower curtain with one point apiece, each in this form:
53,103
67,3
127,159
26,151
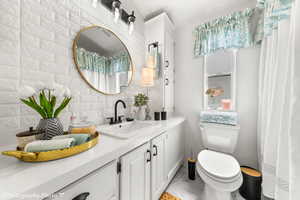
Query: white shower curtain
278,121
295,127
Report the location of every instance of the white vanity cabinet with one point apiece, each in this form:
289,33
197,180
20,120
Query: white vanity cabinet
147,170
158,166
135,174
100,184
160,29
142,172
174,150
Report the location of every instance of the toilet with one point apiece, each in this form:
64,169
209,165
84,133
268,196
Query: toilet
219,170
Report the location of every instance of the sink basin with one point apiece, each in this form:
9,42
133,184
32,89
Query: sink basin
127,129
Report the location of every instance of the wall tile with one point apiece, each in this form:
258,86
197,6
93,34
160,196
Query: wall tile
39,49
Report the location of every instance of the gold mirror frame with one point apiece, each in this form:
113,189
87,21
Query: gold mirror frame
77,65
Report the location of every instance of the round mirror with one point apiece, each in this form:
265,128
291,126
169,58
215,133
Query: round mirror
102,60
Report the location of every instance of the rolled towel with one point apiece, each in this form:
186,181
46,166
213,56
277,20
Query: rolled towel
49,145
89,130
79,138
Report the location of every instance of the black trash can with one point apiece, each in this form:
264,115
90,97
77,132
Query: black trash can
251,187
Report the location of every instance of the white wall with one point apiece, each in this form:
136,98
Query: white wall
35,45
189,91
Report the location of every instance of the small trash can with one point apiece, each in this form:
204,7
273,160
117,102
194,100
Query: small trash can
251,187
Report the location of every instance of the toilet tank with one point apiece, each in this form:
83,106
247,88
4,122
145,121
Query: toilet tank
218,137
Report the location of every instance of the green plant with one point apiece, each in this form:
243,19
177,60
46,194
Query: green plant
47,99
140,100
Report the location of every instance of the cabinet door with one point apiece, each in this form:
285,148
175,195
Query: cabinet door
174,150
100,184
135,174
169,72
158,171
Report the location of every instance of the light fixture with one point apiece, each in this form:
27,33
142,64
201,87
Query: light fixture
95,3
116,7
131,20
151,61
147,77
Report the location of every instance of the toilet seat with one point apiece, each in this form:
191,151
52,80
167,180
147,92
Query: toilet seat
219,166
219,170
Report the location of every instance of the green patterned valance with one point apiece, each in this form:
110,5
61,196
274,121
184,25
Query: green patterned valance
107,65
119,63
91,61
273,12
231,31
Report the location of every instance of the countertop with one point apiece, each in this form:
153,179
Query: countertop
20,178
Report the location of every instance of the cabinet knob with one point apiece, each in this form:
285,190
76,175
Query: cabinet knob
150,156
167,64
155,153
82,196
166,81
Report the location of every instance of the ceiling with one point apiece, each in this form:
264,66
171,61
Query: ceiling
181,11
100,41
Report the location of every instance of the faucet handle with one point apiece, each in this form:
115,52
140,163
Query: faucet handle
111,120
120,118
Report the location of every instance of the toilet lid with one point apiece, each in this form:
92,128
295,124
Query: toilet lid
219,164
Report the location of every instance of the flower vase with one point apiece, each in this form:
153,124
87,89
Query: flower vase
51,127
140,113
213,103
147,113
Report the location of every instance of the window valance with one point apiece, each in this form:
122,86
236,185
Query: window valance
232,31
107,65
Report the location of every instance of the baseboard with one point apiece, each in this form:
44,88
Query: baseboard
171,175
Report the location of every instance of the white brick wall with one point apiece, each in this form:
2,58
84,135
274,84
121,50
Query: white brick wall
36,38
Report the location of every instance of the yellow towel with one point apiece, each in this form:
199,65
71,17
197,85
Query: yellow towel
168,196
89,130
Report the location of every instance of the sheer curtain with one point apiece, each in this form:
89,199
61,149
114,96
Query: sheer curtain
295,127
277,122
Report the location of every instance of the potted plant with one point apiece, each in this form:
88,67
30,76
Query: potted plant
44,102
140,100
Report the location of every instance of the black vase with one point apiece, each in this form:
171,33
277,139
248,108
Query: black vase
51,127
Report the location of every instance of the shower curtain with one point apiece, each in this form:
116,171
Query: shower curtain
279,110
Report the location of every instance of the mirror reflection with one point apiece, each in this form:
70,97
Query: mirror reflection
102,60
219,77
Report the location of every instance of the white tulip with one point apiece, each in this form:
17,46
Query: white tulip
50,85
26,91
58,90
67,92
40,86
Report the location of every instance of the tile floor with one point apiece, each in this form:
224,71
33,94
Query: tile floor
186,189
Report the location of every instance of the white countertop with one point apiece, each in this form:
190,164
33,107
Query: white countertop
20,178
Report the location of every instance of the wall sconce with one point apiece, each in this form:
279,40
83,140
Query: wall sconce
116,7
151,60
147,77
131,20
95,2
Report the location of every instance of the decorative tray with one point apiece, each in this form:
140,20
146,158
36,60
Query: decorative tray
55,154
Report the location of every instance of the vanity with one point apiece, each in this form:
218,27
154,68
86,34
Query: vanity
132,160
137,168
